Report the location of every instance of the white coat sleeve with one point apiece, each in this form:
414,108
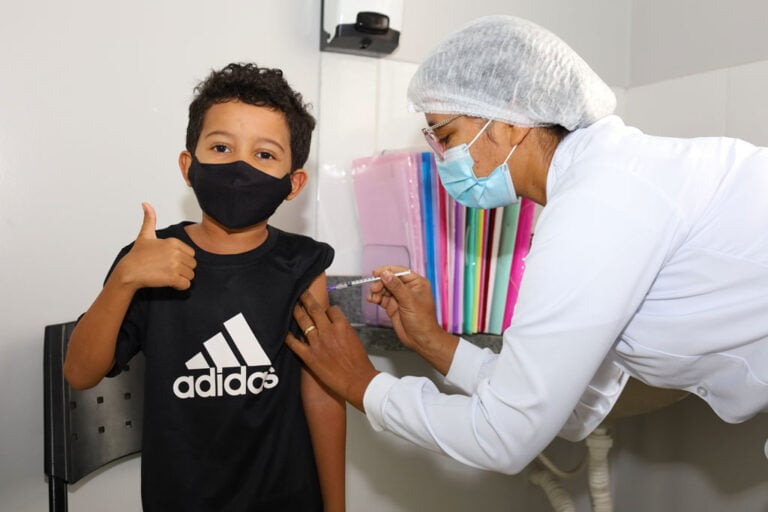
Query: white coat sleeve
595,255
470,365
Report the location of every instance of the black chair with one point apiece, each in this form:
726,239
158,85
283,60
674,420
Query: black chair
85,430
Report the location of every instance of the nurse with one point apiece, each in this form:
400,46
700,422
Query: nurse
650,260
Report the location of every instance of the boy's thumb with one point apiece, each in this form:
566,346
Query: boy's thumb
149,224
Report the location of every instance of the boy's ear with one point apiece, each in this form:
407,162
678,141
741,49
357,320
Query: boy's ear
299,178
185,160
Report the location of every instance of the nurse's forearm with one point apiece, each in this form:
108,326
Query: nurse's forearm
438,350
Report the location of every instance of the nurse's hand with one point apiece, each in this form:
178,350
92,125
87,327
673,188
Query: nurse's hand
409,304
333,352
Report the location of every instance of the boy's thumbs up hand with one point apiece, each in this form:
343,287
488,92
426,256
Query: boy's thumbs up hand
157,262
149,225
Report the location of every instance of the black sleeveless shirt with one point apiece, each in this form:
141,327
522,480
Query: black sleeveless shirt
224,426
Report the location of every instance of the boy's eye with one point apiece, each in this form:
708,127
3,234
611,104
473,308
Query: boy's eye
264,155
220,148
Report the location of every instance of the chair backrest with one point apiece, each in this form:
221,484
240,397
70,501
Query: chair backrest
85,430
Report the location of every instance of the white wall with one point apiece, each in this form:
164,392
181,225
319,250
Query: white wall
598,29
685,458
729,101
685,37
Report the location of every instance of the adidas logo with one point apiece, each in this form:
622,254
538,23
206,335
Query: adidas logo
221,378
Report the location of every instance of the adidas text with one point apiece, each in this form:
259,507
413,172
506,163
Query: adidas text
215,383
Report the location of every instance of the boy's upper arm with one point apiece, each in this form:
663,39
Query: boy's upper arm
319,289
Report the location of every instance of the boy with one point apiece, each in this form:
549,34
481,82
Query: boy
232,420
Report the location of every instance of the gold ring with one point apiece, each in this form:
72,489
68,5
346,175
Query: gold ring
309,329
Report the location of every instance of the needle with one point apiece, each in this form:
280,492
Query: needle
362,280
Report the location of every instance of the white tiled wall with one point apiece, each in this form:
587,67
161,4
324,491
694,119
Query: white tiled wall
396,127
726,102
348,86
363,112
683,107
746,103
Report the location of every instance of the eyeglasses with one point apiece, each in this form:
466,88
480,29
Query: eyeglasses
433,140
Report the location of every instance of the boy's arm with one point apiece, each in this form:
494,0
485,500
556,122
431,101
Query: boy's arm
327,419
151,262
91,349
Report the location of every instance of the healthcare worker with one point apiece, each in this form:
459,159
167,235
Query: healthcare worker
650,260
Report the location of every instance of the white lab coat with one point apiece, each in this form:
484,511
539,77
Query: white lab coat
649,260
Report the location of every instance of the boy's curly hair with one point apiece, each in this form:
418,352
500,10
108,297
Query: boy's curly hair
262,87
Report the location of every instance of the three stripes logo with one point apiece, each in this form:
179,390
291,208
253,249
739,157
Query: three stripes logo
225,375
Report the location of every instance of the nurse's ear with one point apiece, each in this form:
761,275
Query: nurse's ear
506,135
515,135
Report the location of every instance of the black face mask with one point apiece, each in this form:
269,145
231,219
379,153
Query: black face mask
236,194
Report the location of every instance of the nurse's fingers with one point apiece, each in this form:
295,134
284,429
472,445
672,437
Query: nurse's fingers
313,310
304,321
378,291
398,285
337,317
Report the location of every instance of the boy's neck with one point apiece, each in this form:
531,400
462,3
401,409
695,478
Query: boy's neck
215,239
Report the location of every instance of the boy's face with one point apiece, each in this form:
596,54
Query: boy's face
235,131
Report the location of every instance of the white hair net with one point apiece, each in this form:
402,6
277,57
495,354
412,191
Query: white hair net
511,70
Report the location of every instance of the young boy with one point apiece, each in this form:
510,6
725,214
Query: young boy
232,420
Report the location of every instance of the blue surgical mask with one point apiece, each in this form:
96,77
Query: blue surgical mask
458,177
